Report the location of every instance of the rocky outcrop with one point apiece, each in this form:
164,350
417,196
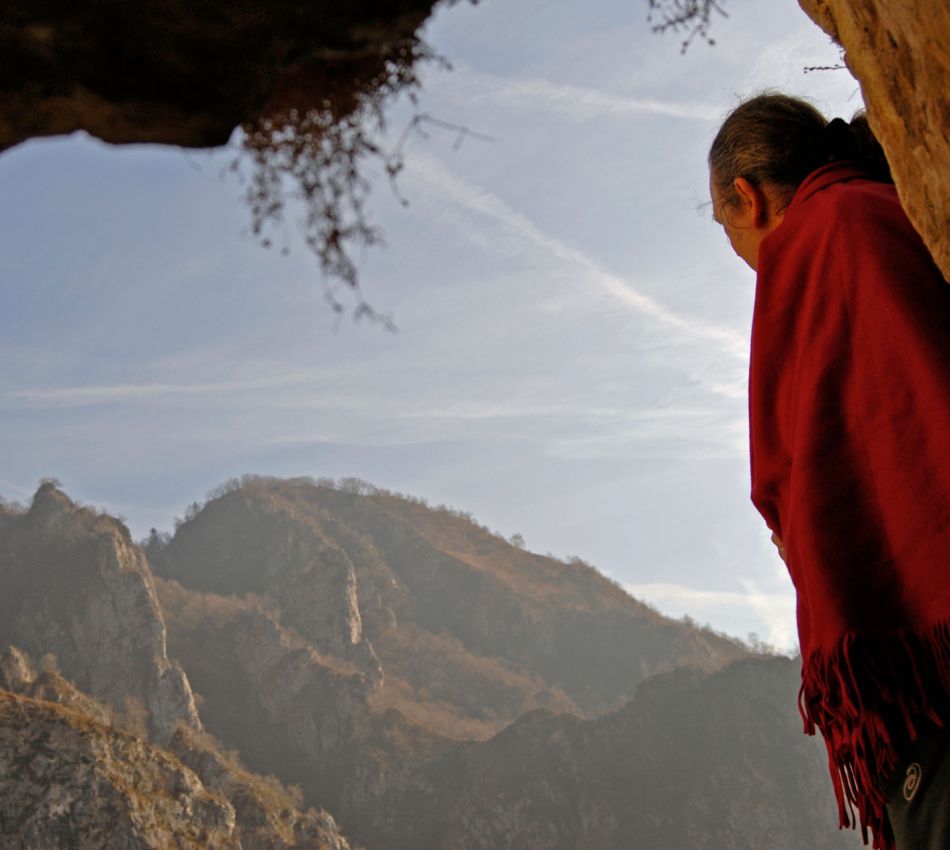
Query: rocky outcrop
173,74
73,585
267,691
67,781
18,674
267,815
248,542
264,814
900,53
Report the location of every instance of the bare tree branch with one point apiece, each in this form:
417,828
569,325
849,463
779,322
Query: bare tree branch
694,17
315,162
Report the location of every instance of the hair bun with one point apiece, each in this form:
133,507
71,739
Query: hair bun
868,150
839,141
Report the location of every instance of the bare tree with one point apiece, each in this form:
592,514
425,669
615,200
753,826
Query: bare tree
691,17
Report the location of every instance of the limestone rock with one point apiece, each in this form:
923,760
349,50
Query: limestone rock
67,781
72,584
689,759
267,815
249,542
16,670
264,689
899,50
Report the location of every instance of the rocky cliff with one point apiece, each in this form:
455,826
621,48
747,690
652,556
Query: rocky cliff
899,50
67,781
74,585
289,709
514,701
189,75
73,774
256,541
490,726
693,761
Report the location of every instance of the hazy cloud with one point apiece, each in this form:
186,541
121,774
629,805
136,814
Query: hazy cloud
574,102
774,609
439,180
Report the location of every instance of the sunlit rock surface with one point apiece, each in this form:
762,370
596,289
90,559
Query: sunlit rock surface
258,542
74,585
68,781
229,807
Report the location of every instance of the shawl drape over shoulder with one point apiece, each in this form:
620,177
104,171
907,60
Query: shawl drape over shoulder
849,396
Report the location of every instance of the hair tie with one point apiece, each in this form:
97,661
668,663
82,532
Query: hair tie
839,141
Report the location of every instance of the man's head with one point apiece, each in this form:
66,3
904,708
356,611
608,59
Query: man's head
763,151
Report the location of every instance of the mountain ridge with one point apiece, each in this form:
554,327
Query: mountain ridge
426,682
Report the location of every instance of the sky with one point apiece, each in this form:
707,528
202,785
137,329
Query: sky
572,347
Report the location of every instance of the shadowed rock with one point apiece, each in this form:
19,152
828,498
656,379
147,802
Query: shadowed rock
188,74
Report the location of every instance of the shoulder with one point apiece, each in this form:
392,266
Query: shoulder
856,206
838,215
841,194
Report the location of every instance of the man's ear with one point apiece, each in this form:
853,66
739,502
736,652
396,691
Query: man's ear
752,200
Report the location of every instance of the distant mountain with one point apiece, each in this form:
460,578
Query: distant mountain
694,760
431,685
470,630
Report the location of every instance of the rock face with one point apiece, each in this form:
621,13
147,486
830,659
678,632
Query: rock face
72,584
256,542
75,779
66,781
290,710
267,816
19,675
474,635
188,76
899,50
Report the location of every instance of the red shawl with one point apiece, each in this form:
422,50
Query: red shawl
849,397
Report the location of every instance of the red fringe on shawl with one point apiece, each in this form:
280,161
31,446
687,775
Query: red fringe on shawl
867,697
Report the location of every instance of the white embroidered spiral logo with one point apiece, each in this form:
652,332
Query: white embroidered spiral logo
911,781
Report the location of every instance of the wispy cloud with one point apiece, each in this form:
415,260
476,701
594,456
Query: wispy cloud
579,103
97,394
274,377
553,251
775,610
631,432
16,489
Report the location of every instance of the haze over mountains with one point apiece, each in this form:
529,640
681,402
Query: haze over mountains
324,666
